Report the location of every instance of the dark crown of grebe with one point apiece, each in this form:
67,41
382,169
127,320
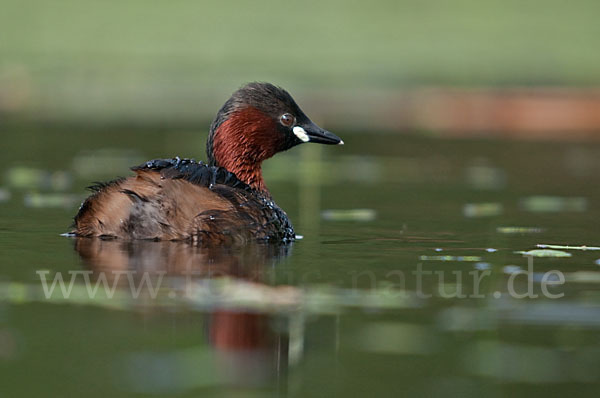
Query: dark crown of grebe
258,121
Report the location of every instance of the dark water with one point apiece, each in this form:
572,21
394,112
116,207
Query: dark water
406,280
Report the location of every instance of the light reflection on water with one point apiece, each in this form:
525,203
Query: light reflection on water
339,312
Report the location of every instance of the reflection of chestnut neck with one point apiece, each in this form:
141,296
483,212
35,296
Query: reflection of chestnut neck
243,141
239,331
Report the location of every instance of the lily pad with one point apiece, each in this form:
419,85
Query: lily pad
544,253
566,247
492,209
519,230
451,258
349,215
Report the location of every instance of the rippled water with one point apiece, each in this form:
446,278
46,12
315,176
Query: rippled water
427,268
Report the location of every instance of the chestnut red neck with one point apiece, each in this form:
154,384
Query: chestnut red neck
242,142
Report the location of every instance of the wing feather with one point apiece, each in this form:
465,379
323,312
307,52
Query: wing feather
174,199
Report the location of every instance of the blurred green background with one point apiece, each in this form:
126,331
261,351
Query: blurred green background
150,61
89,88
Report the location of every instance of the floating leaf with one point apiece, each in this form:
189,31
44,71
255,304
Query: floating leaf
544,253
565,247
31,178
482,176
511,269
583,277
51,200
553,204
482,209
519,230
349,215
451,258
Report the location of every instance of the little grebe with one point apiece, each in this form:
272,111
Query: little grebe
223,201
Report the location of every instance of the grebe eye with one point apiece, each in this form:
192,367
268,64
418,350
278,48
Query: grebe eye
286,119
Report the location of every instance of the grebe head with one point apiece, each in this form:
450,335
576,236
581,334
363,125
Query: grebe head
258,121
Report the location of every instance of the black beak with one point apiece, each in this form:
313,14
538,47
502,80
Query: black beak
310,132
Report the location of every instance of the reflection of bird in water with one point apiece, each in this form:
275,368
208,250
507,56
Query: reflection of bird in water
248,350
248,262
223,201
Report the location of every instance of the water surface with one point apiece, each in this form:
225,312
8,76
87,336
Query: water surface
407,279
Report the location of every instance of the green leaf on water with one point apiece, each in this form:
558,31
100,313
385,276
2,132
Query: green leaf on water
567,247
544,253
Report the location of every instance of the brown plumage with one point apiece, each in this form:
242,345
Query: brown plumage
225,201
